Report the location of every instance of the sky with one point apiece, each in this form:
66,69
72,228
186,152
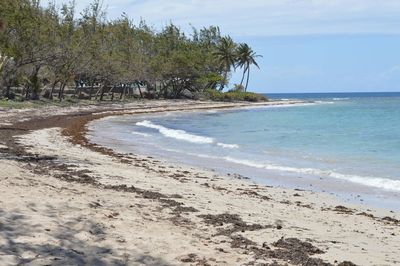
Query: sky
307,45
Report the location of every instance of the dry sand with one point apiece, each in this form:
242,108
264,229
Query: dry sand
65,201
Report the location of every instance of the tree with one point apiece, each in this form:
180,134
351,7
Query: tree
226,58
51,48
28,39
245,58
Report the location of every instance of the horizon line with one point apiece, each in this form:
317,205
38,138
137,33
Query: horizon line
330,92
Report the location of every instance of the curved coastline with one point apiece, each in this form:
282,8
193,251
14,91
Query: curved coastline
371,191
77,129
137,199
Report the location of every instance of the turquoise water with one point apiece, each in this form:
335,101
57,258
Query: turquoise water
347,144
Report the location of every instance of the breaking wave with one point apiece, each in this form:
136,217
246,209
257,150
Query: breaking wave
383,183
184,136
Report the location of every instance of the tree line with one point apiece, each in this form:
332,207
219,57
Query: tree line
44,50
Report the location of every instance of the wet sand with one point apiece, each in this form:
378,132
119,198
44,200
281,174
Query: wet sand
65,200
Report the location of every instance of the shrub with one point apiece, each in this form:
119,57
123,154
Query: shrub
232,96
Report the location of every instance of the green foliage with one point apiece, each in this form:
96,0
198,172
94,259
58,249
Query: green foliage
232,96
51,47
245,58
226,58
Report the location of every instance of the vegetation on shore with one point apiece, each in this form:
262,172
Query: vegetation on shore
43,102
49,52
237,95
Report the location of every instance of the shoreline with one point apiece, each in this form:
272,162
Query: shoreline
345,190
215,220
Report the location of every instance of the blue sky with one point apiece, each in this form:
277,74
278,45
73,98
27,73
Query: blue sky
307,45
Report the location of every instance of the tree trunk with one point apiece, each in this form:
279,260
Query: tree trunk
7,93
224,81
27,92
140,90
103,89
35,84
130,91
165,91
244,73
112,93
91,89
123,92
61,92
76,91
52,90
5,87
23,91
98,92
248,77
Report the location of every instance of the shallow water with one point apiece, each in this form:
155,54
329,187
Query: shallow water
347,144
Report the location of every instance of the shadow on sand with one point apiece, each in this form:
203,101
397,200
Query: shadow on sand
23,242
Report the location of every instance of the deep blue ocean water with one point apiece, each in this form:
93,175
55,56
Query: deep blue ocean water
343,143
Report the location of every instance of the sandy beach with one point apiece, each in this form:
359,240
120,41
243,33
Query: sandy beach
66,201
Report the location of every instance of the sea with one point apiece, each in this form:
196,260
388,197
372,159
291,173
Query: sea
344,144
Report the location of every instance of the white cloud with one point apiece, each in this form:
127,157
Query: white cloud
267,17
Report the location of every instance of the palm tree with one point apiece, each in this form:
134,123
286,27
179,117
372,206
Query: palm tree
226,57
245,58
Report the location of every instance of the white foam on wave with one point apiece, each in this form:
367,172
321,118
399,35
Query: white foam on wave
244,162
324,102
383,183
340,99
309,103
229,146
277,106
183,135
176,133
140,134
